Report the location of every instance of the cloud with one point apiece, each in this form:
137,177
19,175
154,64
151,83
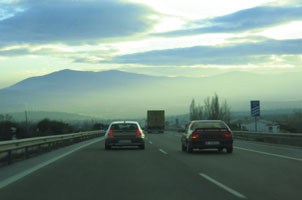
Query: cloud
7,11
235,54
73,22
249,19
90,56
14,52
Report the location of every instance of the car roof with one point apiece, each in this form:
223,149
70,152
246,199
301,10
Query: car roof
207,121
124,122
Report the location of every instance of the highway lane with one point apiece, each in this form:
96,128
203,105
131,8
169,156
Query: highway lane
93,173
260,171
162,171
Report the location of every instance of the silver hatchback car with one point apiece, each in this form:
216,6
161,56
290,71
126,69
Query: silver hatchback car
124,133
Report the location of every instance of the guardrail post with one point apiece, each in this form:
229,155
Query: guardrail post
26,153
48,147
39,148
9,157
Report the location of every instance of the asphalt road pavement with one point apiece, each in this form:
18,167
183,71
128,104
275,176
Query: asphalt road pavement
161,171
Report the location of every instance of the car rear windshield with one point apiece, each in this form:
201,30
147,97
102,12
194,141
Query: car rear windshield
124,127
197,125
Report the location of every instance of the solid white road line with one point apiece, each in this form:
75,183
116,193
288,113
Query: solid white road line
16,177
163,151
269,154
275,146
226,188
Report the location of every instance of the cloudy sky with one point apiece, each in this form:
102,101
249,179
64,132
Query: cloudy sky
170,37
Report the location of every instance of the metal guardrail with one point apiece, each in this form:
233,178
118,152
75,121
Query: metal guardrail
12,145
294,139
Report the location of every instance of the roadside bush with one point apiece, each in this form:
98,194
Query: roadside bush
49,127
6,130
99,126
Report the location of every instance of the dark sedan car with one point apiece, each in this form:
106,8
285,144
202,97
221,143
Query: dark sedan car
124,133
207,134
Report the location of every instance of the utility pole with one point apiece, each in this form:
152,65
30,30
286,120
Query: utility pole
26,122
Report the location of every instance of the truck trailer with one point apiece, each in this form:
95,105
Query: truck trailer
155,121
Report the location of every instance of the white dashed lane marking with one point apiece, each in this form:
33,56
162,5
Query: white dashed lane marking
226,188
163,151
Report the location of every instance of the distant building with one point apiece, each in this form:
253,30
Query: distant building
262,126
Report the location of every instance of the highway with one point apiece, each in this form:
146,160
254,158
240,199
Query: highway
161,171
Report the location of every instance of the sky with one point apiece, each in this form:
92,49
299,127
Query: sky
166,38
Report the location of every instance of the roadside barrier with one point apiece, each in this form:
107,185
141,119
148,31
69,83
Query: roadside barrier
294,139
25,145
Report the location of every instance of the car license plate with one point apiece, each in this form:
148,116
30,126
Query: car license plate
212,142
124,141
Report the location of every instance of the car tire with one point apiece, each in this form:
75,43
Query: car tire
189,148
107,147
230,150
183,147
142,146
220,149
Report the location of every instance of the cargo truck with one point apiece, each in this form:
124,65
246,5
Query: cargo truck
155,121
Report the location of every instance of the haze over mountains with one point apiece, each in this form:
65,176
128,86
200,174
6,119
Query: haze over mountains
117,94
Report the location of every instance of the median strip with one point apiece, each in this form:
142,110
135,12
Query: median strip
163,151
269,154
226,188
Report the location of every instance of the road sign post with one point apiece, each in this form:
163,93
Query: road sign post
255,123
255,111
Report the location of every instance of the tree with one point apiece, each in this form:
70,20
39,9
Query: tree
225,112
99,126
211,110
295,121
6,131
6,117
48,127
212,107
199,112
192,110
196,112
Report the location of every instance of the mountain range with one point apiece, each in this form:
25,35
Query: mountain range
118,94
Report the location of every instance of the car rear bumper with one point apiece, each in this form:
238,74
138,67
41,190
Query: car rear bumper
124,141
211,144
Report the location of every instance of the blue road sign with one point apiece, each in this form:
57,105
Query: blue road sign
255,108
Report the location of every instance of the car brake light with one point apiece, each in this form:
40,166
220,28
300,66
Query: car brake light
138,132
228,135
194,136
110,133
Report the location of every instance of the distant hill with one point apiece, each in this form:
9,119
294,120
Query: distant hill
35,116
116,94
77,81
